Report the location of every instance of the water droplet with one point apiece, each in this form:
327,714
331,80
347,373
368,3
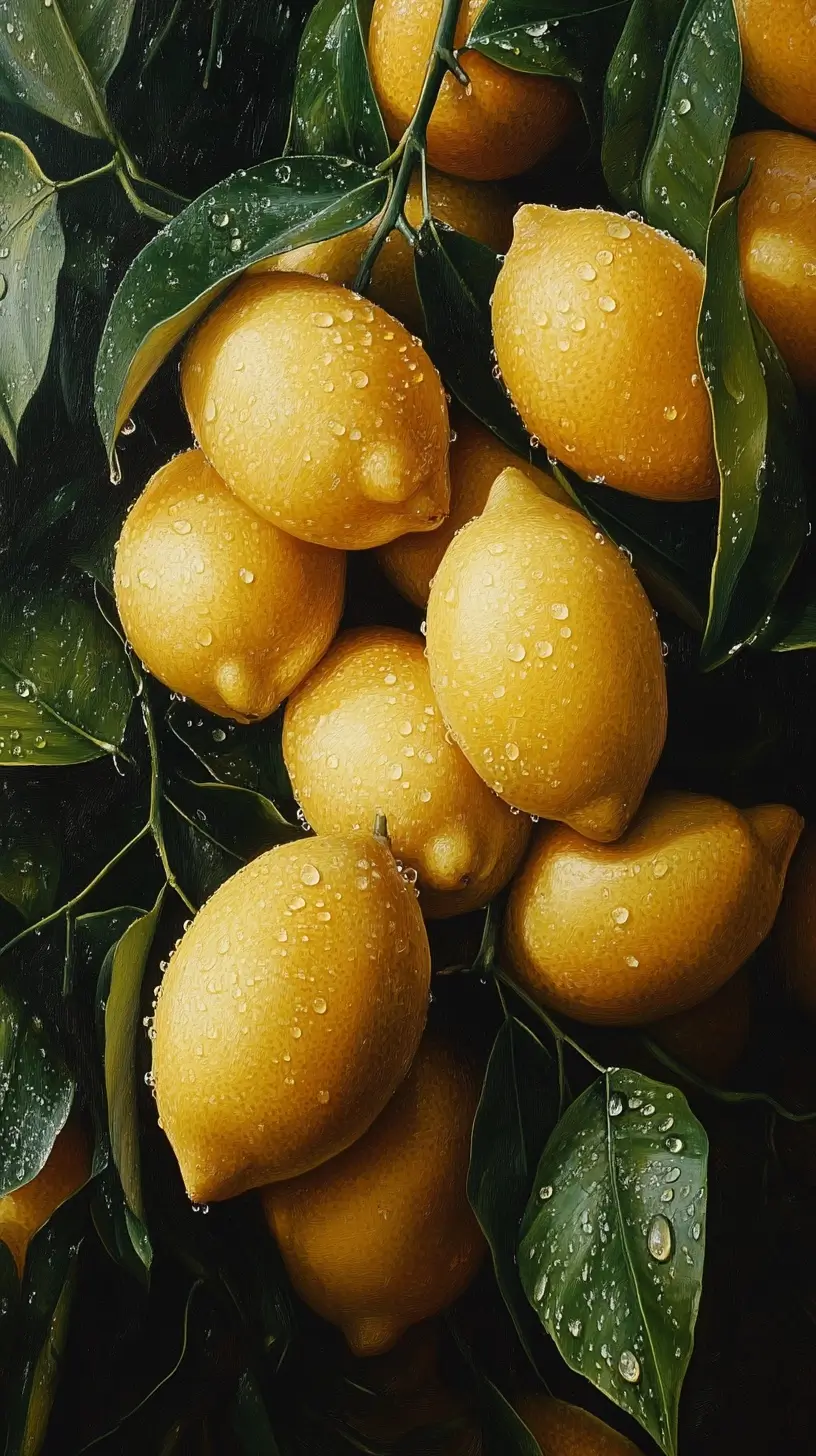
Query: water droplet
684,106
648,1110
219,219
236,245
3,285
204,637
696,1231
578,325
615,1105
39,741
516,651
147,578
544,649
674,1144
575,1327
320,1005
337,428
546,1192
395,771
182,527
667,1195
670,412
606,303
666,1125
632,961
673,1175
210,411
322,320
310,875
560,611
406,728
323,1097
629,1367
620,915
618,229
297,902
586,271
512,751
359,379
246,575
604,256
659,869
541,1287
389,679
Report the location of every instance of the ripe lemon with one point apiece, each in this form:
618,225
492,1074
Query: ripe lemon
362,734
777,237
383,1236
546,661
566,1430
481,211
795,929
404,1390
630,932
477,457
595,327
24,1212
219,604
710,1038
500,124
779,56
289,1014
320,411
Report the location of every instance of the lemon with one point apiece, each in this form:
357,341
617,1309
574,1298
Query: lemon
320,411
779,57
219,604
403,1391
477,457
566,1430
795,930
501,123
777,238
363,733
27,1209
546,661
631,932
289,1014
710,1038
595,328
383,1236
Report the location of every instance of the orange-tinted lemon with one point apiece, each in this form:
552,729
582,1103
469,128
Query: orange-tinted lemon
710,1039
795,930
566,1430
779,56
595,327
23,1212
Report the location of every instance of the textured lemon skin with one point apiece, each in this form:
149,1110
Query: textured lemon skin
219,604
481,211
777,238
779,56
627,933
595,328
566,1430
25,1211
289,1014
320,411
477,457
795,929
710,1038
383,1236
546,661
363,734
498,126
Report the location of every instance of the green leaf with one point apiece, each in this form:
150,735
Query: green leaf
565,38
503,1431
57,57
200,861
517,1112
763,503
252,215
9,1309
65,687
32,249
613,1242
29,864
334,110
249,756
36,1092
250,1420
243,822
634,82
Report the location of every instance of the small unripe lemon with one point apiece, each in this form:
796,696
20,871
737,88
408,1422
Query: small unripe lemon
363,734
779,56
320,411
500,124
383,1236
625,933
546,661
289,1014
477,457
219,604
23,1212
566,1430
595,327
795,930
777,238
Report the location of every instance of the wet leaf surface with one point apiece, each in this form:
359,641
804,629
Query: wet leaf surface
36,1093
334,110
56,57
29,863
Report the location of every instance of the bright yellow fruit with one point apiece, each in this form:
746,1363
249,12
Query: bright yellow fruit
777,237
566,1430
795,930
289,1014
481,211
363,734
383,1236
630,932
24,1212
477,457
710,1038
779,56
546,661
595,327
500,124
219,604
320,411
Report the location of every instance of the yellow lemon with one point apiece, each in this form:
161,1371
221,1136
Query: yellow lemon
546,661
779,56
566,1430
710,1038
630,932
383,1236
595,327
289,1014
219,604
23,1212
363,734
795,930
501,123
320,411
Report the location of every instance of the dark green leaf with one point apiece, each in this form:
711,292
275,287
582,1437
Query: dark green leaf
517,1112
613,1242
335,111
65,687
200,861
503,1431
268,209
249,756
57,58
9,1308
29,864
634,83
570,39
763,507
36,1092
32,248
250,1420
242,821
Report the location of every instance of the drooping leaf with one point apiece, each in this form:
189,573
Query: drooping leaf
32,249
29,863
334,110
248,755
632,91
36,1092
57,58
763,503
503,1431
613,1241
568,39
268,209
243,821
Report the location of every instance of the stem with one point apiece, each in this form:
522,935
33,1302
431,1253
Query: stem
154,820
215,35
104,171
145,209
722,1094
557,1032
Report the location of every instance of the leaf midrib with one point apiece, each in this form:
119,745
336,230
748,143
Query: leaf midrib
52,711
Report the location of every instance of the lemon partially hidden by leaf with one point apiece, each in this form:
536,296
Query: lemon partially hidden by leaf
23,1212
567,1430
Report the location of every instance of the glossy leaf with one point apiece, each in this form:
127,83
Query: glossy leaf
335,111
36,1092
763,507
250,216
244,822
503,1431
247,755
569,39
57,58
29,864
632,91
32,249
200,861
613,1242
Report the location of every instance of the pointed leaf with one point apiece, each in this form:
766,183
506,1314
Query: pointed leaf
248,755
56,58
335,111
504,1432
570,39
632,91
29,864
36,1092
243,821
250,1420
